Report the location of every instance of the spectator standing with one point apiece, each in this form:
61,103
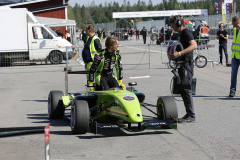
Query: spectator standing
186,68
235,55
59,33
130,31
204,34
68,36
144,34
137,33
222,36
169,33
99,33
84,36
104,33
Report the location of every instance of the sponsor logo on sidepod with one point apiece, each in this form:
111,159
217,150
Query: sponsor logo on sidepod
128,98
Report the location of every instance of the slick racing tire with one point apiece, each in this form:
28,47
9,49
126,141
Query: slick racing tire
79,117
166,108
200,61
55,57
55,105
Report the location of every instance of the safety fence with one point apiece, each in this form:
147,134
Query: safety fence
209,49
108,26
212,20
135,54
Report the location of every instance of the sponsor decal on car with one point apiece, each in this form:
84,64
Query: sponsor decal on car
128,98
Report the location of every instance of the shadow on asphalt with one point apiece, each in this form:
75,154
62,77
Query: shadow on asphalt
36,100
102,133
116,132
43,118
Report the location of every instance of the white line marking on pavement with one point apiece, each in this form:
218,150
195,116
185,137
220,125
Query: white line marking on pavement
139,77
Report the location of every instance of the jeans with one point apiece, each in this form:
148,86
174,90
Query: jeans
144,39
186,75
235,66
224,48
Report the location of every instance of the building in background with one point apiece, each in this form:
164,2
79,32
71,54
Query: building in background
56,10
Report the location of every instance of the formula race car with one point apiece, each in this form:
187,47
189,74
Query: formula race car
109,109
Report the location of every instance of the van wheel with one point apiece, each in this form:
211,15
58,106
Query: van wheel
55,57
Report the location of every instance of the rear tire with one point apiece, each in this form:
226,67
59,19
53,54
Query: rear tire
200,61
55,105
166,108
55,57
80,117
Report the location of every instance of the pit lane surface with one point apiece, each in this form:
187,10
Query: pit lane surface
215,134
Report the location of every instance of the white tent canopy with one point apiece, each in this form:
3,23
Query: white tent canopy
56,22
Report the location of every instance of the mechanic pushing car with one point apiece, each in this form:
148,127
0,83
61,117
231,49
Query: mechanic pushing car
103,64
186,68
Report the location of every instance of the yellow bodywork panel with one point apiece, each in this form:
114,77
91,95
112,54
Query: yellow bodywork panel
66,100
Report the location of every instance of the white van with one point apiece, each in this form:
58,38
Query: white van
24,38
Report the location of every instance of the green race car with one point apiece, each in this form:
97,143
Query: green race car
109,109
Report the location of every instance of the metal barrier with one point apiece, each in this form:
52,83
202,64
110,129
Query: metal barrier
209,50
135,54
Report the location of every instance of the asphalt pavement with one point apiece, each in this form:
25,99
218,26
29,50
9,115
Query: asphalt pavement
215,134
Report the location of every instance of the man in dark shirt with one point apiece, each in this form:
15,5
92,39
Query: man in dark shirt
84,36
137,33
169,33
186,69
99,33
144,34
222,36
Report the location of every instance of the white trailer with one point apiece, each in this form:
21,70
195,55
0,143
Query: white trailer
24,38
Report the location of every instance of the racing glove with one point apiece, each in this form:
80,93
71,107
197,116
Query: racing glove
121,85
91,86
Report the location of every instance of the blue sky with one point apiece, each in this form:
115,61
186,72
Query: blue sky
97,2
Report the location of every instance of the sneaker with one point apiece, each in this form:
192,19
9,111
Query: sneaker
186,119
231,94
228,64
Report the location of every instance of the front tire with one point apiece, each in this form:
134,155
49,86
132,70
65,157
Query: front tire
166,108
55,105
79,117
55,57
200,61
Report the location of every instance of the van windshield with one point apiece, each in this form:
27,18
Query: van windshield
50,30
